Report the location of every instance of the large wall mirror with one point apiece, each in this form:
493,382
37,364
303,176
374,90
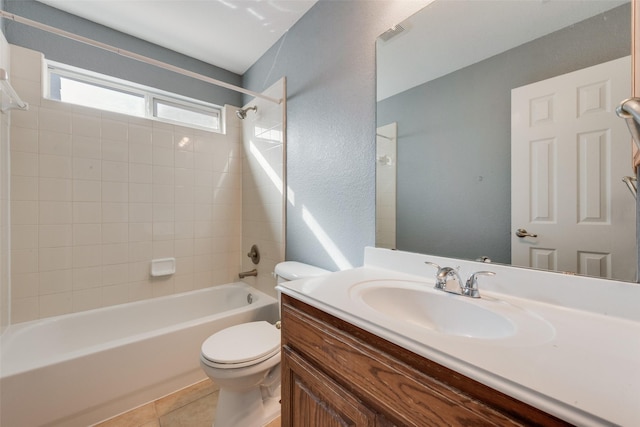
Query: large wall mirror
497,136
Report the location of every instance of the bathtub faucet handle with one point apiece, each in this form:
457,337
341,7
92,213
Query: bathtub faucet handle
254,254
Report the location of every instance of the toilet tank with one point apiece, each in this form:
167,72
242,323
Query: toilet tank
293,270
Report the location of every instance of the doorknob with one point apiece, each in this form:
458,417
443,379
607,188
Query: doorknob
521,232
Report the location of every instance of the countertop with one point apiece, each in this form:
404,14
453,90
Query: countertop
580,365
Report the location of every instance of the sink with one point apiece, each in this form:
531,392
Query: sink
417,304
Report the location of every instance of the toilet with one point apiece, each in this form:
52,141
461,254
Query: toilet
244,361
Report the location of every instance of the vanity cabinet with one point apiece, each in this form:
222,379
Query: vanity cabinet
336,374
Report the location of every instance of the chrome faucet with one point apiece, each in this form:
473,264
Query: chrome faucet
446,275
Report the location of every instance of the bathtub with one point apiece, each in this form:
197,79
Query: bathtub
81,368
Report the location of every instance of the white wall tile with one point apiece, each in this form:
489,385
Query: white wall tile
139,134
115,232
55,166
55,281
115,192
115,151
87,234
163,193
55,143
117,294
87,277
55,189
163,175
114,130
58,121
86,299
52,236
115,171
140,173
87,191
140,153
140,231
85,125
184,159
140,212
163,156
24,163
24,139
55,304
24,188
162,139
55,212
115,212
163,249
54,258
24,285
139,271
87,212
24,309
24,237
115,253
98,195
140,193
87,256
87,168
86,147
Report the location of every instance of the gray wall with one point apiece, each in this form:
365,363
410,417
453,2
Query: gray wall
454,137
328,58
70,52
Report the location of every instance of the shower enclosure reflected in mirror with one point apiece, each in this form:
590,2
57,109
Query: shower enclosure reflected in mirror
445,81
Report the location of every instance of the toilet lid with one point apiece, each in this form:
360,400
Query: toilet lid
253,341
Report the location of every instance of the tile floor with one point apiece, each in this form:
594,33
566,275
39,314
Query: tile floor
193,406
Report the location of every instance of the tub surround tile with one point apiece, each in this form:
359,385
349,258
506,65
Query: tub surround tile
96,184
24,212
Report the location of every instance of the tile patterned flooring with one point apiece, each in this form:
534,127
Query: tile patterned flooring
193,406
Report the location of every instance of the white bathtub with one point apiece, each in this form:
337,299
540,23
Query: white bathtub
81,368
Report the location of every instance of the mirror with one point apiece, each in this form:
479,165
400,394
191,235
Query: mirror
444,118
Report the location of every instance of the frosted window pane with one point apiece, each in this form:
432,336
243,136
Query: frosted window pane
180,114
90,95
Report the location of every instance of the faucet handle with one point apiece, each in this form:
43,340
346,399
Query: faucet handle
471,287
441,281
432,264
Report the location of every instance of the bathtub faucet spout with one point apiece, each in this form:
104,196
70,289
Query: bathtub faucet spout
244,274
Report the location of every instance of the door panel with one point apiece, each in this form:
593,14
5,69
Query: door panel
569,154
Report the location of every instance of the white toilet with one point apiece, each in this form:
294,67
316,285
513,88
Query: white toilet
244,361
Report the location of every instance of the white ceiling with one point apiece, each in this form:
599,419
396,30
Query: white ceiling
231,34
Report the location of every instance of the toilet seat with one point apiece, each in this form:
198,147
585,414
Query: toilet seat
241,345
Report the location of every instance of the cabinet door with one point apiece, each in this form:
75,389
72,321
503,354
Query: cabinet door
312,399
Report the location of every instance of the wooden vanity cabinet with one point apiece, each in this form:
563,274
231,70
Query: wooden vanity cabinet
336,374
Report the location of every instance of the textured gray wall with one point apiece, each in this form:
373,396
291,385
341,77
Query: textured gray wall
454,175
70,52
328,58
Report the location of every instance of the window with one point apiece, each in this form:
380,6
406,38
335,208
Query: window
82,87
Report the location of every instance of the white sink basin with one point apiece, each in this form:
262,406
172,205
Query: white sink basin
419,305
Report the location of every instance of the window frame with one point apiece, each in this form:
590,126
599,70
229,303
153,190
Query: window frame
151,96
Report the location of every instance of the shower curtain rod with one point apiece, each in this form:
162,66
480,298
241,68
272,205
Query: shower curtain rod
132,55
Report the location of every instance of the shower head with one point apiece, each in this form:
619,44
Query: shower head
242,113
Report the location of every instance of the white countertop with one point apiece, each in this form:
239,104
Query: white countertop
583,366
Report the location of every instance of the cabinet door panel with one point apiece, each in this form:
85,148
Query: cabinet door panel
311,399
